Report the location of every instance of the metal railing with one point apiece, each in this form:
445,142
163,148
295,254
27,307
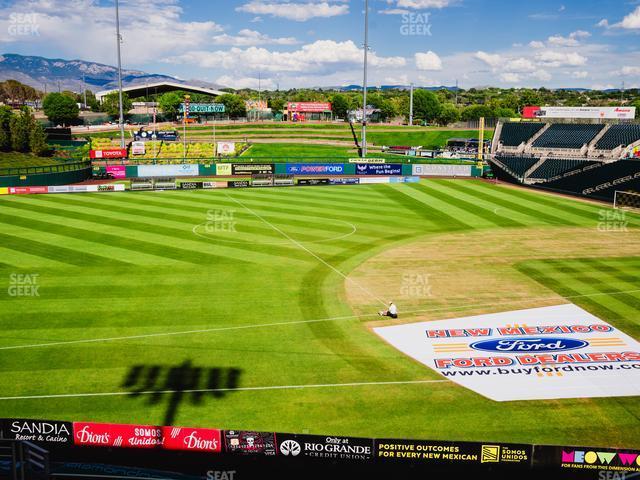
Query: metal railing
53,168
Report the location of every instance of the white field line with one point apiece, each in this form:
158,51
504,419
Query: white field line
298,244
301,322
239,389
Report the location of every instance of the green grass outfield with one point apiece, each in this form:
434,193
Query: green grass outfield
268,311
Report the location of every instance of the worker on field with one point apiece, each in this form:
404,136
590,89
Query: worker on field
392,311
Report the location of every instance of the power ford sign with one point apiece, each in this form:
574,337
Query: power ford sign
315,168
378,169
529,345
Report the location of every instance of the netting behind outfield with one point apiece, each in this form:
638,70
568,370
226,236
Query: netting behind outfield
627,201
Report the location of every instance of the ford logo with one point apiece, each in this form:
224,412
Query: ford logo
529,344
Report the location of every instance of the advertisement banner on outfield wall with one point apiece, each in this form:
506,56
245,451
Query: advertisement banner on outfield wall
328,447
441,170
111,187
252,168
378,169
313,181
622,113
315,169
601,459
117,171
46,431
4,191
250,442
344,181
451,453
536,354
185,169
147,436
27,190
226,148
110,153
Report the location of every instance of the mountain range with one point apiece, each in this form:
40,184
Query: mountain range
51,74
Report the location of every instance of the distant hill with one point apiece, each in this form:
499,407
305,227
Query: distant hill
38,71
352,88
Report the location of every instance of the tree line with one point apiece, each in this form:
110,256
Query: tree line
21,132
440,107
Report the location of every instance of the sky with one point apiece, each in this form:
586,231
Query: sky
310,43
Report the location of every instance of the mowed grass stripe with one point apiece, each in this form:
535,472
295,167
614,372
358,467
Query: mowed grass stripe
567,207
623,277
54,252
440,220
509,215
135,251
318,212
354,204
431,199
566,288
485,213
160,236
498,196
15,259
222,201
250,225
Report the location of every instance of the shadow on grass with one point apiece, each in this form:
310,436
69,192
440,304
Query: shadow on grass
181,383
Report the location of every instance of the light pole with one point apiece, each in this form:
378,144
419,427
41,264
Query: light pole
411,106
364,87
121,119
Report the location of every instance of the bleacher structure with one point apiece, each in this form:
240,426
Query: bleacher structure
545,155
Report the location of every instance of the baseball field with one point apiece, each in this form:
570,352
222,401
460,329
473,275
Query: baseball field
254,309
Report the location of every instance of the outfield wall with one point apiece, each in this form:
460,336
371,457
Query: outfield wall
54,178
81,449
297,169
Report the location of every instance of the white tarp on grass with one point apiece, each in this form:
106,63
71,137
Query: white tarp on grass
541,353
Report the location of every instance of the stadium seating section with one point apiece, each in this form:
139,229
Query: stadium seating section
561,135
513,134
518,165
555,166
619,135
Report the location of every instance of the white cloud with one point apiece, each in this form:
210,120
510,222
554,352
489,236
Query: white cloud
536,44
394,11
519,65
246,38
85,28
428,61
509,77
551,58
580,74
602,86
399,80
604,23
631,21
322,56
424,4
246,82
493,60
570,41
298,11
630,71
542,75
